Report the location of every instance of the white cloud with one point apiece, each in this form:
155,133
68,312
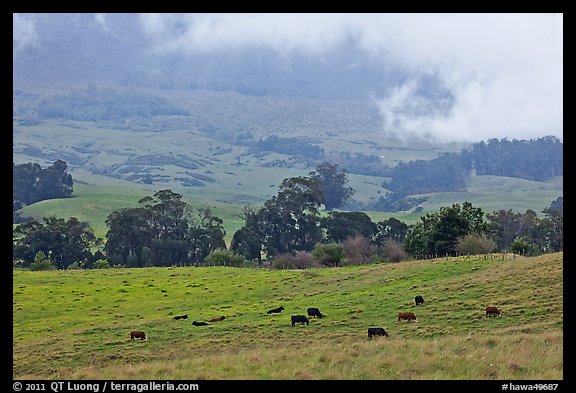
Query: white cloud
504,71
310,33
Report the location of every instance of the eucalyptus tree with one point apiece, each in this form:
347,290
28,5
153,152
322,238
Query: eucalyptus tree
64,242
163,231
332,184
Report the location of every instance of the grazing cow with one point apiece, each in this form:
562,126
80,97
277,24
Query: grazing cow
275,310
314,312
138,334
300,319
409,316
196,323
419,300
377,332
492,311
217,319
181,317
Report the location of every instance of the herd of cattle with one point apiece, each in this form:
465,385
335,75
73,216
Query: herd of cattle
314,312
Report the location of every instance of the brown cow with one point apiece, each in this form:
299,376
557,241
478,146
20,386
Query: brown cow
138,334
409,316
490,310
217,319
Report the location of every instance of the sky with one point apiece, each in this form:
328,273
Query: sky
504,71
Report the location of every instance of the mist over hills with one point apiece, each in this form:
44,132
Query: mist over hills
190,100
75,49
464,77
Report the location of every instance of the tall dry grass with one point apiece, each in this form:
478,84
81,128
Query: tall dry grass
516,356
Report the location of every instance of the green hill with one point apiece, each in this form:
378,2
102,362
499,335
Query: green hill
96,196
215,150
76,324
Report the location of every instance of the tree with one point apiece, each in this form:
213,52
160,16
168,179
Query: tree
474,216
31,184
438,233
206,235
332,183
290,220
451,225
390,229
330,254
247,242
358,249
222,257
41,262
130,232
24,178
475,244
62,241
340,226
417,238
504,226
523,246
556,208
548,234
54,182
393,250
163,231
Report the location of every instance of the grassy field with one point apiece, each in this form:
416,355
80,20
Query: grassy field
75,324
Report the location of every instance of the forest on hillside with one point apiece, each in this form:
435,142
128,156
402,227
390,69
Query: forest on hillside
31,183
535,159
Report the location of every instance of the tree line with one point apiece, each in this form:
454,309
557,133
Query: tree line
31,183
289,230
536,159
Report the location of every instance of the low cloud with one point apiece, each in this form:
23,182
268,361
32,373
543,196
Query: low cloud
501,75
504,72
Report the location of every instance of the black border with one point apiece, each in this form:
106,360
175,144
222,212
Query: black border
266,385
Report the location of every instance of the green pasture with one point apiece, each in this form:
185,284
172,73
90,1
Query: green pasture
95,196
95,201
76,324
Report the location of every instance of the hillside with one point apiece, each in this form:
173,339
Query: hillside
75,324
233,148
96,196
218,135
167,100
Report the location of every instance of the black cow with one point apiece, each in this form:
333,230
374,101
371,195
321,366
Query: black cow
419,300
314,312
275,310
196,323
181,317
377,332
300,319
